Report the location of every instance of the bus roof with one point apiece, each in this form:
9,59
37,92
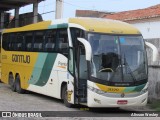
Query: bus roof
89,24
105,25
36,26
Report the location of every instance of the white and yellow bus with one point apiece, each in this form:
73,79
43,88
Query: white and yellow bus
94,62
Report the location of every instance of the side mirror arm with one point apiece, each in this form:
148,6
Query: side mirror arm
88,48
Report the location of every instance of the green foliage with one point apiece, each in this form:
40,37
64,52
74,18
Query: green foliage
155,105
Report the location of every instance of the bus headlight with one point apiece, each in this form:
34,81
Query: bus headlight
96,90
144,90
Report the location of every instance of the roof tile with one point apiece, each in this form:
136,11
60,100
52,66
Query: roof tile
150,12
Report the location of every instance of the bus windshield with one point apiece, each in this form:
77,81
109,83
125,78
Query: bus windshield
118,58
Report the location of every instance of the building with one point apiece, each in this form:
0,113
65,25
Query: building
6,5
91,13
146,20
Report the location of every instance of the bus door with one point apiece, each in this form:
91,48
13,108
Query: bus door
82,73
77,65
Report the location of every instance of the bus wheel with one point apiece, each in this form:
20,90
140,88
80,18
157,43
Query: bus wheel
65,98
11,82
18,85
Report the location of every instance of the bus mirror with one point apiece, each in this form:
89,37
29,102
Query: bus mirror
155,51
88,48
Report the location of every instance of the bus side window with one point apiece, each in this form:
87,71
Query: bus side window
0,45
50,40
5,41
19,42
63,42
28,41
38,41
76,33
12,43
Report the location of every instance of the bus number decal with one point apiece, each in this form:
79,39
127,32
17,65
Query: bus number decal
113,89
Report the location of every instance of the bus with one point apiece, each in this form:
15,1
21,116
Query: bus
0,53
88,61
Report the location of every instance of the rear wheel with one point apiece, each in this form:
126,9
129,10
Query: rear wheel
11,82
18,85
65,97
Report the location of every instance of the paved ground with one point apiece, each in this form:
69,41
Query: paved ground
12,101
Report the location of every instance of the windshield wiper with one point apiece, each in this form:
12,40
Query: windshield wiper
130,71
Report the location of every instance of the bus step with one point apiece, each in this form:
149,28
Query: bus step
83,100
80,95
80,89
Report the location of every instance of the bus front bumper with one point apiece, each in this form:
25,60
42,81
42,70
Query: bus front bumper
97,100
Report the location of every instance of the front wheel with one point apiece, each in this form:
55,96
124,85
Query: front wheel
65,97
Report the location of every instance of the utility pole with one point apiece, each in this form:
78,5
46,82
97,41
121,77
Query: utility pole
35,12
59,9
16,17
2,20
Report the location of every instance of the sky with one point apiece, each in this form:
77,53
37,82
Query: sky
70,6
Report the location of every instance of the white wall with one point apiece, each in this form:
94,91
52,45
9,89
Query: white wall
149,29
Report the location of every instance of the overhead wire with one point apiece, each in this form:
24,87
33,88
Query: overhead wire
74,5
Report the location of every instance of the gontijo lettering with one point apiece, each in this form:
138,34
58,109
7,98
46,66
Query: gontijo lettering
21,58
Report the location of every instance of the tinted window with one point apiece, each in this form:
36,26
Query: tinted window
19,42
12,42
38,41
63,41
50,41
5,40
28,41
76,33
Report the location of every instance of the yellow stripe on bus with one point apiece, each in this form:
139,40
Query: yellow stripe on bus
111,89
37,26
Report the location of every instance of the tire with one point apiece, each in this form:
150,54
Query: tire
11,82
64,97
18,85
